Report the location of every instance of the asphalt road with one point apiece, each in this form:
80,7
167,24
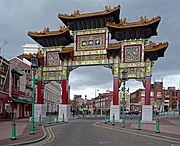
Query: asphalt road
82,132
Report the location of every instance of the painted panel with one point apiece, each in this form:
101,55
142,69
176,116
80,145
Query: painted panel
135,64
133,73
91,42
52,58
54,76
89,62
132,53
56,68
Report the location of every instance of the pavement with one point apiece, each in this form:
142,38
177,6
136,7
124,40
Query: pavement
169,127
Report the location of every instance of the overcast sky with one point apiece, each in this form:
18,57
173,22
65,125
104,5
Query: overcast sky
17,17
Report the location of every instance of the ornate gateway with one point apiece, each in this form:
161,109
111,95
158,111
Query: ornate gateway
85,40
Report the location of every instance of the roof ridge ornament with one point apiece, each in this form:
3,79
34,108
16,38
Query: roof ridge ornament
152,44
123,22
108,9
62,28
76,13
143,19
46,30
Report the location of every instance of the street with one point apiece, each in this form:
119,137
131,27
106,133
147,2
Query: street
82,132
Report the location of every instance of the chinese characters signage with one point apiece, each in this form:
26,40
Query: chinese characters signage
90,42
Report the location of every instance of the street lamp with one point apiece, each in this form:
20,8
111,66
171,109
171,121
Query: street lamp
34,66
124,78
95,101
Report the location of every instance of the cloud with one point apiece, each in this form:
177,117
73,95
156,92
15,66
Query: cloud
19,16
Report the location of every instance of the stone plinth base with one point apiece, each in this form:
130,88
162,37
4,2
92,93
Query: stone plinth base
64,109
39,109
115,109
147,114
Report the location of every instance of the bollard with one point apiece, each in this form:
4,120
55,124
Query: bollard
123,123
95,114
139,124
40,121
49,120
113,123
157,125
154,113
131,116
105,120
32,126
108,118
63,118
57,119
90,114
13,136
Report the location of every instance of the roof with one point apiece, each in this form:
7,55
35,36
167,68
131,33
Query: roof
153,51
77,21
47,32
29,56
143,29
76,14
48,38
152,47
67,50
114,46
19,59
142,22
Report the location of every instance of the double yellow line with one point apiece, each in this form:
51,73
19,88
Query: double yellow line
49,139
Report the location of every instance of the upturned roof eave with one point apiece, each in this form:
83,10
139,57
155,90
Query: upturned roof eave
88,15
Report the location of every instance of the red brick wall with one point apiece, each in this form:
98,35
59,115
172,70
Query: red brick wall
20,65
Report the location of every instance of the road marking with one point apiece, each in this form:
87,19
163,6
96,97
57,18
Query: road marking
50,138
139,134
104,142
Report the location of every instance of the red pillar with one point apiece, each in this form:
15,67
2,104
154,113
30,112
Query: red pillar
115,91
147,90
64,91
40,98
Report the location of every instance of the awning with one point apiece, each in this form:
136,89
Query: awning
21,100
20,73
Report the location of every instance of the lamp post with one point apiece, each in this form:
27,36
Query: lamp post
95,101
34,66
124,78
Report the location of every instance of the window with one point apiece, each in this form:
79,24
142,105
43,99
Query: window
3,68
166,94
16,82
159,95
1,81
152,93
142,93
29,71
152,101
142,101
174,94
